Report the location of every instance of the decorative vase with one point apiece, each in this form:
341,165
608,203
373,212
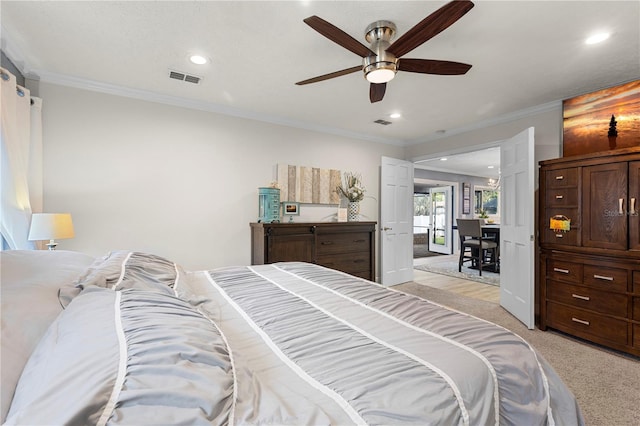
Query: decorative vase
353,211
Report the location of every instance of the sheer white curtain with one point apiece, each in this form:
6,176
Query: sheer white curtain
21,161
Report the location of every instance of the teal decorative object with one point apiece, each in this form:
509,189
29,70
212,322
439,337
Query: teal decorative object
268,205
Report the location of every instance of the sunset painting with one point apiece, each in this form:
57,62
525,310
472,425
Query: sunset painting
587,120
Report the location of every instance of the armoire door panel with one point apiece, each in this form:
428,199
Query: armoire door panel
634,205
604,195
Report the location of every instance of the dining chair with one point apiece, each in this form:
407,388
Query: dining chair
481,252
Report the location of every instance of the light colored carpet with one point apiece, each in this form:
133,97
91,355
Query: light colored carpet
448,265
605,383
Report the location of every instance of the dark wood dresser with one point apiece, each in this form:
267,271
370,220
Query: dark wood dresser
345,246
590,274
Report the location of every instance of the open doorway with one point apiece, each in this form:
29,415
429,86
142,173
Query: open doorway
432,220
479,171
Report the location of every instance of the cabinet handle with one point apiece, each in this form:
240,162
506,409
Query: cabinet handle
633,207
621,205
326,243
602,277
559,197
559,235
358,261
577,296
562,271
559,177
358,241
580,321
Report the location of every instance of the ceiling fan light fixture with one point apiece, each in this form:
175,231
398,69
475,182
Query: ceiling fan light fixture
380,73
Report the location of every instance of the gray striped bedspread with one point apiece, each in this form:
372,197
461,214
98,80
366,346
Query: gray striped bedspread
281,344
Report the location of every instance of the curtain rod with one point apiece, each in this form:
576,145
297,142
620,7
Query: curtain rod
19,90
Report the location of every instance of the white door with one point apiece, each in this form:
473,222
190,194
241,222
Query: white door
441,226
517,226
396,221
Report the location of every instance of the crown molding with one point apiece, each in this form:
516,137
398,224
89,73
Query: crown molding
96,86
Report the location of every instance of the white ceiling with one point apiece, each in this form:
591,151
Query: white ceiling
483,163
524,54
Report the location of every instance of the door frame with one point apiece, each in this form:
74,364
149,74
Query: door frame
454,207
449,191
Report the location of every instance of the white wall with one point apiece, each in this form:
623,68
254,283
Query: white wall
177,182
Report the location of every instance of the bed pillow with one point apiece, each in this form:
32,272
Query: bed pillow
29,293
130,356
121,270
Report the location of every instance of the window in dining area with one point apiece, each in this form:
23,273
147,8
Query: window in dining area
487,204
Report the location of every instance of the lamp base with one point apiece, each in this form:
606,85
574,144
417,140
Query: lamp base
52,245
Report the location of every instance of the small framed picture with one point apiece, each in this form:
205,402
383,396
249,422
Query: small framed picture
466,198
290,208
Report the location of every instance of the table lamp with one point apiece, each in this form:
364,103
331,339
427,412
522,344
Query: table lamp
51,226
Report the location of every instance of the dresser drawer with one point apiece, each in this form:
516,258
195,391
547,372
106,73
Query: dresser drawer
586,324
564,271
567,238
352,263
343,243
610,279
588,298
562,178
562,197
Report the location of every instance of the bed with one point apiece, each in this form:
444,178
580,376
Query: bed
133,338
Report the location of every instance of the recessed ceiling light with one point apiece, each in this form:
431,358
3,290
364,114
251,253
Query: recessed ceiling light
490,167
597,38
395,115
443,159
198,60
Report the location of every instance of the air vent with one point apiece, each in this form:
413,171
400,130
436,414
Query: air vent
177,75
383,122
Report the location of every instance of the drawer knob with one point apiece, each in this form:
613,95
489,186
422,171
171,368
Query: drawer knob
602,277
559,235
358,241
577,296
562,271
580,321
559,197
559,177
326,243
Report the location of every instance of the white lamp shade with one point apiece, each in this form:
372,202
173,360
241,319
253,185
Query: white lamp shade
50,226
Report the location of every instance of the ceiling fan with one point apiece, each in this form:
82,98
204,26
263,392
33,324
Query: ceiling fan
382,60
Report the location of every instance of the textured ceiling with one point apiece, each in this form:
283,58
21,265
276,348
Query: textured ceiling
524,54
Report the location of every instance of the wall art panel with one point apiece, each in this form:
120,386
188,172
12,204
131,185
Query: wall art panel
310,185
605,120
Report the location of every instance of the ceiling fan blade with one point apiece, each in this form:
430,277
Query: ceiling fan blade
330,75
338,36
376,91
430,26
432,66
